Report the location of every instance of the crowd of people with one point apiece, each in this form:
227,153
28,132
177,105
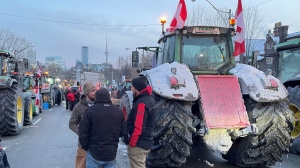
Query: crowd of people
99,124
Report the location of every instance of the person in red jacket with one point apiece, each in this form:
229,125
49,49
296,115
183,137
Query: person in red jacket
140,123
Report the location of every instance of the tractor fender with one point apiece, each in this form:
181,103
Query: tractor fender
162,81
259,86
294,81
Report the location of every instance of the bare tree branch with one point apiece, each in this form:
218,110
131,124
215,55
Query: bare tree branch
18,45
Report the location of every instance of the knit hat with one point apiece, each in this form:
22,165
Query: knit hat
139,83
88,88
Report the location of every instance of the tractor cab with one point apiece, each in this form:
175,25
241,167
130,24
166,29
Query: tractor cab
204,49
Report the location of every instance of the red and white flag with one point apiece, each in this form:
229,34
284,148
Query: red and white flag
37,95
239,47
179,17
39,72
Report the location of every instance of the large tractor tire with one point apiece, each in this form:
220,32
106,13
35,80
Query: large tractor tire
11,111
172,134
294,105
28,111
275,123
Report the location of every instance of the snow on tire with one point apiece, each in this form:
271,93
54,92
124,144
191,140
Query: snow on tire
274,123
172,135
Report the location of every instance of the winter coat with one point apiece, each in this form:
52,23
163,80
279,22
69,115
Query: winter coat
77,115
101,126
140,123
3,159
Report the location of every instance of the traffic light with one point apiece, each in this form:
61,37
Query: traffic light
107,82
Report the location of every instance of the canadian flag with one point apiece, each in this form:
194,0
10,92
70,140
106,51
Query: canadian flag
239,47
179,17
37,95
39,72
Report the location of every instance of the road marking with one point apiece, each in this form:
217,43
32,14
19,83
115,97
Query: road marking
4,148
37,121
50,109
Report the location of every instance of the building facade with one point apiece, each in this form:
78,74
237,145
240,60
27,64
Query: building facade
55,60
270,57
85,55
32,57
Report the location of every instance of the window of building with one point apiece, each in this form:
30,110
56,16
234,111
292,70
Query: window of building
269,45
269,60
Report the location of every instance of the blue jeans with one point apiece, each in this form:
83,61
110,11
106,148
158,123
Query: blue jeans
93,163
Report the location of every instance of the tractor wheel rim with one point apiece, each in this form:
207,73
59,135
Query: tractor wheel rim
296,110
30,110
19,109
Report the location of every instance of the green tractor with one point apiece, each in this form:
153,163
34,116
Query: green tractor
289,73
11,97
47,88
202,95
30,95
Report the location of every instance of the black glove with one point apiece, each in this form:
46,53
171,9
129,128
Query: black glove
125,139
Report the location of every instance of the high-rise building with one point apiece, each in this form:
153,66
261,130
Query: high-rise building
85,55
32,57
56,60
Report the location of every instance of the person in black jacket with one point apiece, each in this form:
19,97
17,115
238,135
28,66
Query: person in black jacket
3,158
140,123
100,129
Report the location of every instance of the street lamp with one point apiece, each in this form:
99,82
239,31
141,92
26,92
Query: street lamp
163,20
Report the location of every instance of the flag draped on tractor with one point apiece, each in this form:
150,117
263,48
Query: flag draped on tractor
39,72
179,17
239,47
37,92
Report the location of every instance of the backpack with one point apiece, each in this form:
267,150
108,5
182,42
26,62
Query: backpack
70,97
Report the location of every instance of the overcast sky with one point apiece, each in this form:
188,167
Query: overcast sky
128,23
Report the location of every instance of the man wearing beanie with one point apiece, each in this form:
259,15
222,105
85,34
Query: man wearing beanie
86,100
99,131
140,123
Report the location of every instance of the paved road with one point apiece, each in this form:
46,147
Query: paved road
49,143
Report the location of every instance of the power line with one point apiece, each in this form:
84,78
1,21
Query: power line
105,25
258,4
75,23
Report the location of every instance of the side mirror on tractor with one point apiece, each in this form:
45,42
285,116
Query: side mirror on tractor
25,60
135,58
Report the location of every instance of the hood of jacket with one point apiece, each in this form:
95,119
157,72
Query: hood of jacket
102,96
146,91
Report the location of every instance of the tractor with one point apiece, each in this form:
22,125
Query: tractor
289,73
203,96
49,89
11,96
30,87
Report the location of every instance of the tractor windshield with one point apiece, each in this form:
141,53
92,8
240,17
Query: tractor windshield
46,79
26,82
203,53
289,61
